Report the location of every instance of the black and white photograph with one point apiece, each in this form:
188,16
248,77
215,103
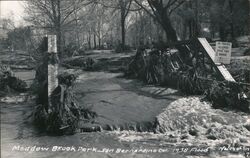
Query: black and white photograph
125,78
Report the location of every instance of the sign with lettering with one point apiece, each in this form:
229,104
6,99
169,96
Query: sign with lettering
223,52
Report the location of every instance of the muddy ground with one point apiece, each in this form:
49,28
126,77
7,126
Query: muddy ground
186,125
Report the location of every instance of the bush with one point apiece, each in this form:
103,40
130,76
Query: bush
73,50
7,80
225,94
247,52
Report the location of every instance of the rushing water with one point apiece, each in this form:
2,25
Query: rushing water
20,138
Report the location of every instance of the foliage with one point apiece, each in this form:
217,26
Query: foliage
225,94
19,38
165,68
9,82
72,50
61,115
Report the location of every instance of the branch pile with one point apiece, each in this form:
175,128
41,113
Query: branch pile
63,112
59,114
79,62
168,68
8,82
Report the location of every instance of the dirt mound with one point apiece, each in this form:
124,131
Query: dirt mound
192,117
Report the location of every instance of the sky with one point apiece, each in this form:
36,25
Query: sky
9,7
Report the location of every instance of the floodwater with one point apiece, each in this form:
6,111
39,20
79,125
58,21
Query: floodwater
19,137
122,103
107,92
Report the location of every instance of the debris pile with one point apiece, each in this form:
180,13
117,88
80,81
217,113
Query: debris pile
72,50
79,62
226,94
8,82
156,67
59,113
64,112
190,73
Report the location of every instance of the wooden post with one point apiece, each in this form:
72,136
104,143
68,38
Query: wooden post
52,66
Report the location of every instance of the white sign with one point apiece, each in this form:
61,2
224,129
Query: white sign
223,52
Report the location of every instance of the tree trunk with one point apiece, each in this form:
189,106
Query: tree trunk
94,41
184,31
59,31
99,41
222,32
168,28
162,16
89,39
76,28
123,29
231,21
196,24
111,38
59,40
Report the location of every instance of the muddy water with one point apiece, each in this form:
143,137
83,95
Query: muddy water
122,104
105,92
19,137
17,131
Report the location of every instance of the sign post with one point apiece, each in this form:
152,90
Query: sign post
223,52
